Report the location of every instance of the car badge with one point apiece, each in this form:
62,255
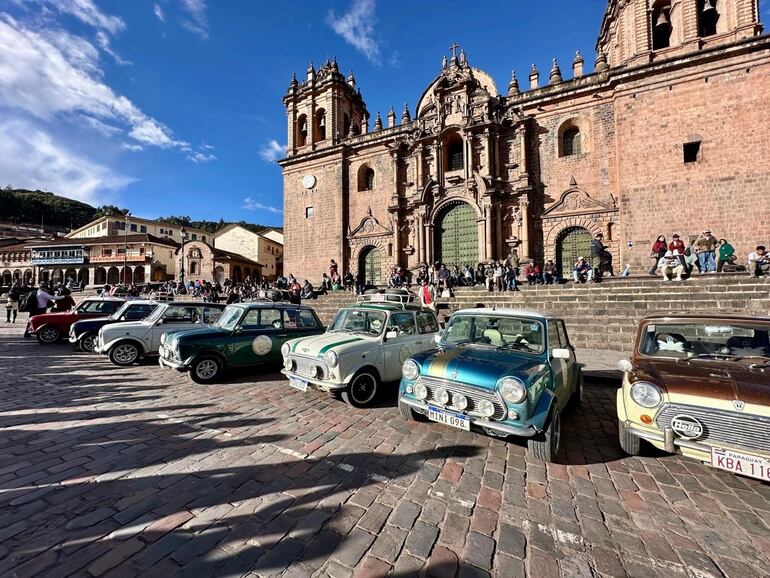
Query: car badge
454,375
739,405
687,427
305,349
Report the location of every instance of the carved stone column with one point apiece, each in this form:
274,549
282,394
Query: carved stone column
480,233
524,204
499,237
430,257
396,239
420,234
488,235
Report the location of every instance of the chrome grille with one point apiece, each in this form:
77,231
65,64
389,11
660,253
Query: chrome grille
303,365
473,394
731,428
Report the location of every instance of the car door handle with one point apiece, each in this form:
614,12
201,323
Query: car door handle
284,335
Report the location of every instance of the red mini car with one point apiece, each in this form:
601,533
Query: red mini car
50,327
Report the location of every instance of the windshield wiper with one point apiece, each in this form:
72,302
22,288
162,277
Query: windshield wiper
513,344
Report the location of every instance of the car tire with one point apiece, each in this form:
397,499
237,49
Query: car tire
545,445
48,334
629,443
124,353
362,389
205,370
408,413
576,399
87,342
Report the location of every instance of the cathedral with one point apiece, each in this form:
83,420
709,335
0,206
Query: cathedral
670,133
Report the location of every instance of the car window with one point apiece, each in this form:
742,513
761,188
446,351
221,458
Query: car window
298,319
715,339
514,333
262,319
211,314
426,322
137,312
99,307
563,334
403,323
180,314
554,341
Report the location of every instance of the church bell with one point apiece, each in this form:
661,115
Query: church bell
708,6
662,20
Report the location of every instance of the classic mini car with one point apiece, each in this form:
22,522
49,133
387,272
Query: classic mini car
84,332
362,349
699,385
247,334
506,372
50,327
127,342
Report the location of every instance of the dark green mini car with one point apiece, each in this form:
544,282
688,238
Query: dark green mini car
247,334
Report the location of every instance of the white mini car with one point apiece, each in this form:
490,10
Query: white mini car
363,348
126,343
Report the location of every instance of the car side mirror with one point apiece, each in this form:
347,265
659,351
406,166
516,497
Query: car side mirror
160,322
561,353
625,366
391,335
238,329
437,338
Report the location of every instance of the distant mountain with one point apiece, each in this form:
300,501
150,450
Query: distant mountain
24,207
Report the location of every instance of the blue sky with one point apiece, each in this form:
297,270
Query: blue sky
174,106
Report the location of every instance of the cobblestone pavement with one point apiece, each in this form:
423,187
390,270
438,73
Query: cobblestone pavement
121,472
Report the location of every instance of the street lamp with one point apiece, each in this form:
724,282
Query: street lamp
181,269
125,250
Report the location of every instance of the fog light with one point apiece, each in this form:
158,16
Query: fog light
512,414
409,389
313,371
460,401
420,391
646,419
441,395
287,363
486,408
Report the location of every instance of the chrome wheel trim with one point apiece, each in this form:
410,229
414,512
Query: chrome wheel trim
49,335
556,434
363,388
206,369
88,343
125,353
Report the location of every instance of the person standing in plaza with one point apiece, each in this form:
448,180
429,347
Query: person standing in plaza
705,248
659,248
427,295
597,249
677,248
12,303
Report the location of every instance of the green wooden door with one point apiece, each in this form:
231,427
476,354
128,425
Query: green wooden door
456,241
370,266
572,243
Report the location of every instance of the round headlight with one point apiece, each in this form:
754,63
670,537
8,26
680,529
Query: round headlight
288,363
420,391
486,408
313,371
646,394
513,390
410,370
460,401
285,350
441,395
331,359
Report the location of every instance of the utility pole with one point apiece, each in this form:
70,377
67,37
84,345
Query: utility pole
125,250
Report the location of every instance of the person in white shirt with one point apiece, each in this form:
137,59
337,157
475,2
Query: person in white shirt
759,262
670,265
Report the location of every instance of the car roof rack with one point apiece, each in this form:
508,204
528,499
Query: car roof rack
387,298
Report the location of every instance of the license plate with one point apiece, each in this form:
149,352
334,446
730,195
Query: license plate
740,463
299,384
449,418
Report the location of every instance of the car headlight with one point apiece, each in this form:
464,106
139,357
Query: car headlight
460,401
513,390
285,350
646,394
486,408
420,391
331,359
410,370
313,371
441,395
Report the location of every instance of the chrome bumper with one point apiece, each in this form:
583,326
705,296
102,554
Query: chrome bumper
668,439
316,383
526,432
179,366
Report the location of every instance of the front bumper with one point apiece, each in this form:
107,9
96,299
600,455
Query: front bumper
316,383
178,365
496,426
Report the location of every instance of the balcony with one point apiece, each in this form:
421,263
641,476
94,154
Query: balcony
130,258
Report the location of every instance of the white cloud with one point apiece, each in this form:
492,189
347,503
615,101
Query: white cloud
272,151
251,205
133,147
197,21
86,11
356,26
158,11
103,40
30,158
201,157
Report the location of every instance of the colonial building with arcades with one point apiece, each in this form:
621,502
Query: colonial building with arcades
669,133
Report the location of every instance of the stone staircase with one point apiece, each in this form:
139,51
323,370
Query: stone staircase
605,315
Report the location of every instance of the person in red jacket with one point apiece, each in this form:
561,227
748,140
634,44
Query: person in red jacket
659,249
676,246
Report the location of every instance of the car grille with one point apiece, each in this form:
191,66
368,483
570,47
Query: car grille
732,428
473,394
303,365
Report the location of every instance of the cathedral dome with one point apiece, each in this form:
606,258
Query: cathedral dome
456,73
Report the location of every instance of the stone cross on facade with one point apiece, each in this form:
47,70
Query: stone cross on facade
454,48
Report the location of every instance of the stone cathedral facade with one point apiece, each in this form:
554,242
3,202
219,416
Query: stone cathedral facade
670,132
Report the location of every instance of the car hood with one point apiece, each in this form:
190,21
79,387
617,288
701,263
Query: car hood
318,345
92,323
126,326
708,378
198,334
479,366
59,317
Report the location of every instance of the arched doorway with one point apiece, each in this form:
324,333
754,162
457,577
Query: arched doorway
237,277
28,275
113,275
572,242
456,235
138,274
83,276
370,266
100,276
7,278
219,274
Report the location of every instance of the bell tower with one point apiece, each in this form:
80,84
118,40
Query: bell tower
323,110
639,31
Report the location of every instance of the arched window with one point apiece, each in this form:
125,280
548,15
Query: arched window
455,157
345,125
302,131
708,17
365,178
320,125
193,267
570,142
661,25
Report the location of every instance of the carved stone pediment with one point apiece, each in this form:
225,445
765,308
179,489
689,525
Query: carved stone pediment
576,202
369,227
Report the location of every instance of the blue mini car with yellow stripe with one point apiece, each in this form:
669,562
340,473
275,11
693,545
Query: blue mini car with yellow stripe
506,372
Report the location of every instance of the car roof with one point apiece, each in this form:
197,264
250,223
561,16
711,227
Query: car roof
97,298
694,316
270,305
142,302
508,312
384,306
196,304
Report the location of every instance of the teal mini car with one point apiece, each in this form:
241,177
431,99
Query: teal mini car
247,334
502,371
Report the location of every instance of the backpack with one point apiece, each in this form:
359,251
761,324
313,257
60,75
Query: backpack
28,302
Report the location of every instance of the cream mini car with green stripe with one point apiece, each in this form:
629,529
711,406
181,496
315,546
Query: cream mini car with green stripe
363,348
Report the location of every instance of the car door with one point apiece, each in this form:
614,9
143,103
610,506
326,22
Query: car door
396,349
256,339
572,363
427,328
560,368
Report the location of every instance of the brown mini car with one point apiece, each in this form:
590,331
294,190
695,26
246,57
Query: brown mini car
700,386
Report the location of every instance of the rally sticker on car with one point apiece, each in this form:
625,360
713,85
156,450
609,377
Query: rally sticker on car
262,345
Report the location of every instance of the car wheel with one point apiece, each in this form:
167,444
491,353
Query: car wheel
576,399
205,370
630,443
545,445
124,354
48,334
361,390
87,342
408,413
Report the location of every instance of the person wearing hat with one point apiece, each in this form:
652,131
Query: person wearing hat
705,249
677,248
582,271
597,250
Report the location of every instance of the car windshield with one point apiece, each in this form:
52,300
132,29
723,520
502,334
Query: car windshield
123,308
106,307
157,314
230,317
499,331
715,339
359,321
